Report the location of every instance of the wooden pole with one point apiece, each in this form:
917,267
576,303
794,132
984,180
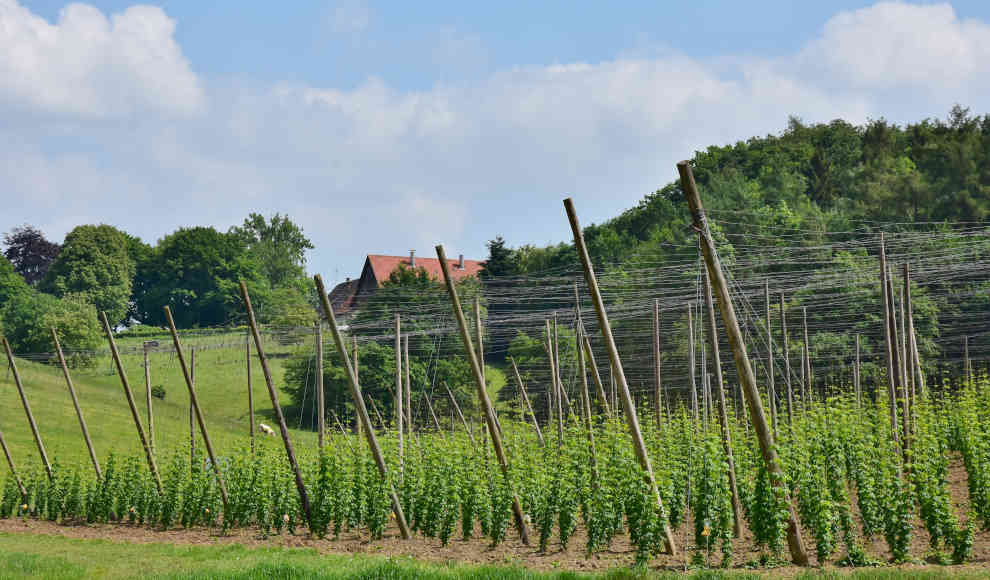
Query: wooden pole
558,386
362,411
691,364
75,403
723,415
429,407
787,362
795,542
276,406
639,446
378,415
187,373
398,390
919,376
321,406
857,385
13,469
889,336
408,388
148,453
453,401
192,419
27,410
486,404
586,407
657,378
907,376
771,388
590,358
552,388
250,391
525,395
147,394
357,377
808,386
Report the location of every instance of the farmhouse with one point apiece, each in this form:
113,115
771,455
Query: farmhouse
347,296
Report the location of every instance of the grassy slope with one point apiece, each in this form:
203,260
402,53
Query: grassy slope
221,384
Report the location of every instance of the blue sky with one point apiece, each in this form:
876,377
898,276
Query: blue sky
383,127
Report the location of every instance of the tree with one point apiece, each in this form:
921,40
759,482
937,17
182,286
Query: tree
11,283
502,260
278,245
197,272
29,317
95,263
29,252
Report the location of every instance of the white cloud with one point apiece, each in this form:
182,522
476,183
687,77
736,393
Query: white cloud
376,169
87,64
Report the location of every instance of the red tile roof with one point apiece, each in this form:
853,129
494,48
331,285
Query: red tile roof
384,265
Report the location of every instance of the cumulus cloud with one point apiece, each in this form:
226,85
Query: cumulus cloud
88,64
375,169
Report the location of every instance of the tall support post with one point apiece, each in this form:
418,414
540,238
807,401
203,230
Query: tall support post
558,385
889,338
493,430
321,406
857,385
795,542
192,417
787,362
407,392
691,365
525,396
552,388
723,415
250,390
704,376
357,377
918,385
27,410
771,388
590,357
187,373
13,468
408,388
639,446
398,389
75,403
657,377
147,393
148,453
429,407
467,428
967,372
276,406
359,407
479,333
586,408
907,373
807,387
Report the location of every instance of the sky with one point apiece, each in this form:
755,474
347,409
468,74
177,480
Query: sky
384,127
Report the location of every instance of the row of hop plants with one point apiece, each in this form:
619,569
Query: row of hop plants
840,461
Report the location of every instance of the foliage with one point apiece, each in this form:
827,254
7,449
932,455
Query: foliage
29,252
278,245
29,318
94,263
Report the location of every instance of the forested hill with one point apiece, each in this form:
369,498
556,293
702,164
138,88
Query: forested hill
829,177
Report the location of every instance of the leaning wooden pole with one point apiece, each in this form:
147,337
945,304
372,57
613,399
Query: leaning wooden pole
586,411
196,408
27,410
888,334
398,390
250,392
479,378
723,414
321,405
407,391
75,403
590,358
359,407
147,394
771,388
919,375
276,406
787,362
525,395
639,445
795,542
657,377
148,453
457,408
691,364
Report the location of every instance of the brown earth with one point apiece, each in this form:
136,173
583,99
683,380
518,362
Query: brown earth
511,551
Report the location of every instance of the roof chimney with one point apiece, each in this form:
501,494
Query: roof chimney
460,261
412,258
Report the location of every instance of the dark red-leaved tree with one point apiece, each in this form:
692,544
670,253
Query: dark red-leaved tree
29,252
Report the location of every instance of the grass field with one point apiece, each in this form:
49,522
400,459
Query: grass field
221,385
53,557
